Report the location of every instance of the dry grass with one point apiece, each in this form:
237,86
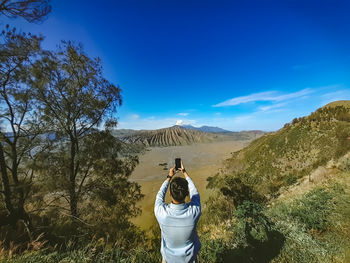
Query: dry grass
13,248
320,176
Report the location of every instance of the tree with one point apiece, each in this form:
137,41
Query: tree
252,225
238,192
77,100
19,130
30,10
107,191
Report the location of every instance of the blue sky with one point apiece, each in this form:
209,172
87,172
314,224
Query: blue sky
234,64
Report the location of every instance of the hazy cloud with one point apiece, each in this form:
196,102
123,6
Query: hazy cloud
272,96
269,107
339,94
183,113
179,122
151,123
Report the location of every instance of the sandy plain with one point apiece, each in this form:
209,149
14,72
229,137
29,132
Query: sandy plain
200,160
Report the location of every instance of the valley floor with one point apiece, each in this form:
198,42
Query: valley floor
201,161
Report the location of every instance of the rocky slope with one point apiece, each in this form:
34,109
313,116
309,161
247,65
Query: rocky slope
172,136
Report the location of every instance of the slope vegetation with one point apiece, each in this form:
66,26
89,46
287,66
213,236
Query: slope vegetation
280,158
285,197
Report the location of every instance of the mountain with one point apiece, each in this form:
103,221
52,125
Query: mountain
182,135
206,129
242,135
280,158
175,135
120,133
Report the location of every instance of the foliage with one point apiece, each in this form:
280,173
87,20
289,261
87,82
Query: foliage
212,250
252,225
291,179
233,193
61,172
91,253
310,228
218,209
20,129
30,10
313,209
237,191
315,226
76,99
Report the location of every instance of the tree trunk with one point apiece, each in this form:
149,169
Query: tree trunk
72,183
5,181
18,213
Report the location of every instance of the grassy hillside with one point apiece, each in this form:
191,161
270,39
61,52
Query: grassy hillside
280,158
286,196
309,222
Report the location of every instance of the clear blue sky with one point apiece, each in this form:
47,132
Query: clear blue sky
233,64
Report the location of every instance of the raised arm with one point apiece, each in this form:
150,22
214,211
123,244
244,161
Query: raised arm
194,195
160,198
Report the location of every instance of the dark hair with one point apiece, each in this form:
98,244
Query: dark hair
179,189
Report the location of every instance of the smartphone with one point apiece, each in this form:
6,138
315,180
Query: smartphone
177,163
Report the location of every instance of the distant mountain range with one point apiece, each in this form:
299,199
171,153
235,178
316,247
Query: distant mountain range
182,135
206,129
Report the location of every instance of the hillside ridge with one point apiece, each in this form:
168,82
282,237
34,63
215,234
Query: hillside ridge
280,158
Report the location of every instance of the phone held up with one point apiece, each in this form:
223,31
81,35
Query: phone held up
177,163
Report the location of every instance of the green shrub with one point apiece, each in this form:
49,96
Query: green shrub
212,250
291,179
252,225
313,209
316,226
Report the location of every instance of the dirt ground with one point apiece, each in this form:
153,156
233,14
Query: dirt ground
200,160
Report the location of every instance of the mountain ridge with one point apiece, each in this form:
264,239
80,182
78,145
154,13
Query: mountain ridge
172,136
180,135
206,128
